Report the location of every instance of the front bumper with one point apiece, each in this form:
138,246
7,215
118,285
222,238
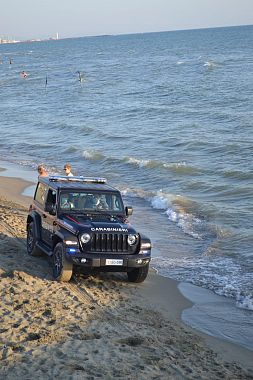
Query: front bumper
101,260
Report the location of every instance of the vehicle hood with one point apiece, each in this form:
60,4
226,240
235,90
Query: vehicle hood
97,224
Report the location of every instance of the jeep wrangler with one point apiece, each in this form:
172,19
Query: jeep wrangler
82,224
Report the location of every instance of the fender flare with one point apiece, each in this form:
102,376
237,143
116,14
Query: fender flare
35,218
62,235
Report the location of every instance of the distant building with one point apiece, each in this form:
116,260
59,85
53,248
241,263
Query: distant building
6,40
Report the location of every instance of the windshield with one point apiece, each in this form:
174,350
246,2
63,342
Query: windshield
88,202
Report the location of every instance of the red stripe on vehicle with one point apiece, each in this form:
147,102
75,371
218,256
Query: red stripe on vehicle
69,217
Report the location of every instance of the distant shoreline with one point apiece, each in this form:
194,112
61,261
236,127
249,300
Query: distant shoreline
122,34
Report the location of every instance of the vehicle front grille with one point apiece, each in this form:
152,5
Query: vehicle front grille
109,243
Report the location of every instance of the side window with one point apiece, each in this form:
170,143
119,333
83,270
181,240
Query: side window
51,196
40,195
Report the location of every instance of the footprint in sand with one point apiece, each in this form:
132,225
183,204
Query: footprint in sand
132,341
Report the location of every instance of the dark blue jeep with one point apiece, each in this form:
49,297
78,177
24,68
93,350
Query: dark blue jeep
82,223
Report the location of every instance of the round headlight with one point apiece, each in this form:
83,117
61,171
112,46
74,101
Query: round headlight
132,239
85,238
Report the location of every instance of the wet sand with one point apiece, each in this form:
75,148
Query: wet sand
97,327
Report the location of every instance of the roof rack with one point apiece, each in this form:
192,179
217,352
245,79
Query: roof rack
77,179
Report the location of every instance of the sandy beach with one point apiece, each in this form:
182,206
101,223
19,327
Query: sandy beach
99,327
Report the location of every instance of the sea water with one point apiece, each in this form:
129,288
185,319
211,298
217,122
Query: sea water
167,118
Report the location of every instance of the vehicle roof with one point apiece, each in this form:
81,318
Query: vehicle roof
69,183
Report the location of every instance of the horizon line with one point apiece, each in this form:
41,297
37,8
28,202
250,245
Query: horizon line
38,39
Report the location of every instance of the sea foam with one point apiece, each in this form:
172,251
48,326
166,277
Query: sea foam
175,208
92,155
222,275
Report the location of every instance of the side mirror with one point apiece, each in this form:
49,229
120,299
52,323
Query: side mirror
129,211
50,208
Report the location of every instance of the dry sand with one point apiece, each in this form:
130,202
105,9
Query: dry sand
99,327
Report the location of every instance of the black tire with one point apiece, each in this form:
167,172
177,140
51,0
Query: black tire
31,240
62,268
138,274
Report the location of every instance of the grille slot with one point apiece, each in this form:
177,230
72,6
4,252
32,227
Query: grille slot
109,243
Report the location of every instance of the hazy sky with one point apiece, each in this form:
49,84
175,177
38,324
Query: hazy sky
72,18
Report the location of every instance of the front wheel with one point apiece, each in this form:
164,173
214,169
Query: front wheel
31,240
138,274
62,268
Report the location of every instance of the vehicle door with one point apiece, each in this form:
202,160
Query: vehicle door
40,200
49,217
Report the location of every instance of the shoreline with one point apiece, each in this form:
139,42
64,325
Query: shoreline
156,295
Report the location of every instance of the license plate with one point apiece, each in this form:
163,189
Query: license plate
113,262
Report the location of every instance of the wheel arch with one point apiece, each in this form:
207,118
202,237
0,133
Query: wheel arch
57,238
34,218
28,221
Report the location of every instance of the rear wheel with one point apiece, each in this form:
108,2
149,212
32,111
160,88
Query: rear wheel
138,274
31,240
62,268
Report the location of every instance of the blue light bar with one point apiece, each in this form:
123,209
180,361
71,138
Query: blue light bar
77,179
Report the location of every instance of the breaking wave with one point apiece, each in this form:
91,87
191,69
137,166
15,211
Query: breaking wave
179,167
210,64
92,155
141,163
179,210
222,275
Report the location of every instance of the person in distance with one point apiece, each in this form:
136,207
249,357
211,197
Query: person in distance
67,169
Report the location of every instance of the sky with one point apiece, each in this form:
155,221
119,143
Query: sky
28,19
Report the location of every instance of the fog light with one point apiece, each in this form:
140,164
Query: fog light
139,261
71,251
83,260
146,245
